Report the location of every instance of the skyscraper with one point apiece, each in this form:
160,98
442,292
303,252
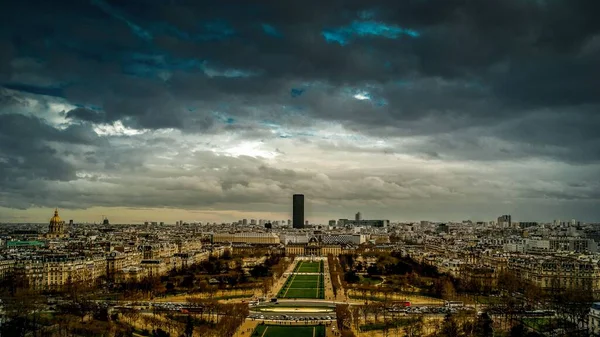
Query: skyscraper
298,216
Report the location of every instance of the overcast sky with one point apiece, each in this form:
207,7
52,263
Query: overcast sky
165,110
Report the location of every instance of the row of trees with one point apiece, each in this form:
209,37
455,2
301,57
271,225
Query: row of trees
335,271
344,320
198,278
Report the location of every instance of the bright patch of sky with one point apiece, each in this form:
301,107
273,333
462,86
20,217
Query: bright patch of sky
365,95
50,109
117,129
362,95
362,28
248,148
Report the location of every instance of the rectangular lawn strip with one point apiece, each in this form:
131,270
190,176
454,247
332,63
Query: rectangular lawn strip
289,285
298,265
309,267
306,278
288,331
300,293
304,286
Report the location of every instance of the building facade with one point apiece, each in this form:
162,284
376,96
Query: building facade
246,237
298,211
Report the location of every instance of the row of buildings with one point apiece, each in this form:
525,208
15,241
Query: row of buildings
57,259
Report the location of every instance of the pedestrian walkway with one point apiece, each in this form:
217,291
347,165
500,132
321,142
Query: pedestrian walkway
246,328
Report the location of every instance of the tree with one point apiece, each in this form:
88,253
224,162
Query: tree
260,270
447,288
484,326
160,333
449,327
415,327
189,327
517,330
351,277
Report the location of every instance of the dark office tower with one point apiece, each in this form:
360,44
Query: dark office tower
298,211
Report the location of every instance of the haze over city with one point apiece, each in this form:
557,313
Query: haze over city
214,111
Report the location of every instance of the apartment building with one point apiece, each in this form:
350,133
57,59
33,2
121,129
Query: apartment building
557,272
246,237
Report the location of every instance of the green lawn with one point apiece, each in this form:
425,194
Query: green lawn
308,267
289,331
303,286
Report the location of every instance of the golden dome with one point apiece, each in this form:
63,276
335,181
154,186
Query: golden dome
55,219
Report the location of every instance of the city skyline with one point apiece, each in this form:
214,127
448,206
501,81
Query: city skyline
415,110
173,216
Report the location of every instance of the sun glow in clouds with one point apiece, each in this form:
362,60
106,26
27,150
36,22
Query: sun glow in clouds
362,95
248,148
116,129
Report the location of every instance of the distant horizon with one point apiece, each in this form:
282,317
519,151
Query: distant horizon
399,109
172,219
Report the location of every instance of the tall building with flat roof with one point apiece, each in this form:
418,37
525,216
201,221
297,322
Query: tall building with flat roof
298,216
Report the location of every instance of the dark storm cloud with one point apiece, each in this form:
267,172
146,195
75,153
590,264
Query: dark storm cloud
489,80
26,151
121,56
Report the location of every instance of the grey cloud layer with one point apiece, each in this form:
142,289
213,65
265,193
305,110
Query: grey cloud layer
484,82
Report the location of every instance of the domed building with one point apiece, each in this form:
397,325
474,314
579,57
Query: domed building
56,229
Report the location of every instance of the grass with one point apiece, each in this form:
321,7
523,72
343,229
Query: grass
288,331
546,324
303,286
309,267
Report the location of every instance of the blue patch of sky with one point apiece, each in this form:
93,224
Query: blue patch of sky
271,30
223,118
296,92
336,36
344,35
